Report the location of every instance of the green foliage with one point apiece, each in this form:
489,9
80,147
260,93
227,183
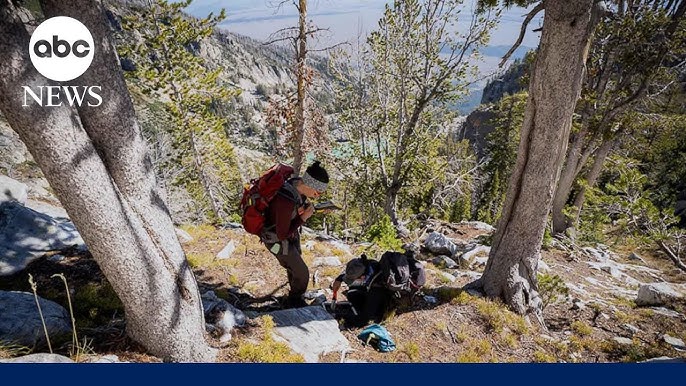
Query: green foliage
393,107
501,148
168,68
384,235
95,304
551,288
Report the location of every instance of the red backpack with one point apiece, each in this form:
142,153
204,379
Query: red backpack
259,193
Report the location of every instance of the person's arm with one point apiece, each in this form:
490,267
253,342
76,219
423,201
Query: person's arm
282,210
336,285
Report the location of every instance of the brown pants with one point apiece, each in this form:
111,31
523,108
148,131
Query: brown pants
296,269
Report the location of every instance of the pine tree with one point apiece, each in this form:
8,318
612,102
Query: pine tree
169,67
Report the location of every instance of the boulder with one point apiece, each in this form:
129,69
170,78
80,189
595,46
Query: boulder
677,343
443,261
51,210
102,359
20,321
309,331
26,234
227,251
466,258
221,315
478,225
656,294
38,358
13,190
184,237
622,341
438,244
326,261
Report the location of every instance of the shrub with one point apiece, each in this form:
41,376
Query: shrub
551,288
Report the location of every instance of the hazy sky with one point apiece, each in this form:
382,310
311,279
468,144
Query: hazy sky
346,19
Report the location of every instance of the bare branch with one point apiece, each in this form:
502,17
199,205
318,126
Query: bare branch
538,8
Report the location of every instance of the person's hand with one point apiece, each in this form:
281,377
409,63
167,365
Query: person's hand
307,212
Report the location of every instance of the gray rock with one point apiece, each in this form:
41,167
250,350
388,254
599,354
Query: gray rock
102,359
656,294
666,312
438,244
38,358
309,331
13,190
466,259
40,188
326,261
664,360
482,226
20,321
631,328
26,234
677,343
577,304
446,276
233,225
221,315
443,261
623,341
341,246
51,210
635,256
184,237
227,251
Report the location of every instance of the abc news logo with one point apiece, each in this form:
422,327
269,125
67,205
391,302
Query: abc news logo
62,49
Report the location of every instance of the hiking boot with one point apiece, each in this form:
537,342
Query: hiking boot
294,302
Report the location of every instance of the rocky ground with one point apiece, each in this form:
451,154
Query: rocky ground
600,303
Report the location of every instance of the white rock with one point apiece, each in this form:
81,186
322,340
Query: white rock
227,251
309,245
623,341
666,312
677,343
482,226
631,328
26,235
38,358
326,261
309,331
13,190
479,250
184,237
656,294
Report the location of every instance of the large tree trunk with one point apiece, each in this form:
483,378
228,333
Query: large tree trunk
555,86
95,160
301,56
391,204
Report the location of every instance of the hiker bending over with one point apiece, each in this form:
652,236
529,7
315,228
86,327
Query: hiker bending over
366,293
287,212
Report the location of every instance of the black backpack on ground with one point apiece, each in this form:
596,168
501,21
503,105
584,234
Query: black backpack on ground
395,271
400,273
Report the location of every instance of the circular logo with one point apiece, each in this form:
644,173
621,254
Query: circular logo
61,48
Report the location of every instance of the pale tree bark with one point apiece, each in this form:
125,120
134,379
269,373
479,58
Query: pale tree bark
96,162
301,57
554,89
